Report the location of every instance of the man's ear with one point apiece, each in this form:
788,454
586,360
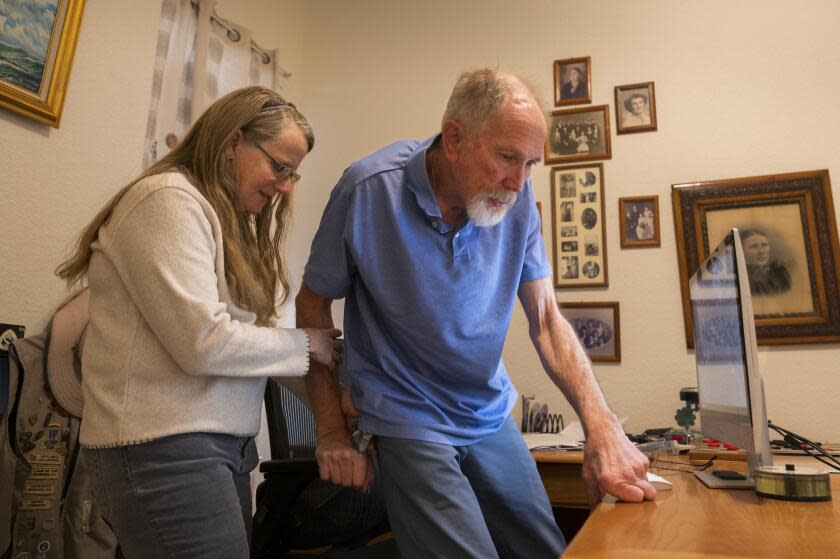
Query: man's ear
453,139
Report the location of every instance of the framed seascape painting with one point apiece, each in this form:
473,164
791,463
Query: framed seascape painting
581,134
639,217
789,236
579,233
597,327
37,43
635,108
572,82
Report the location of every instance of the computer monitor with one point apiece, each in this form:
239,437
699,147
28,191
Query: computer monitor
730,386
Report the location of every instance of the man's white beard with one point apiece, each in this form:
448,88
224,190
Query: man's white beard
485,214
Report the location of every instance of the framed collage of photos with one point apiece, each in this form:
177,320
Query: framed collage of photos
579,233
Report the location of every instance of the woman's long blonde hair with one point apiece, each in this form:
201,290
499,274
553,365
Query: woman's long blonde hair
254,265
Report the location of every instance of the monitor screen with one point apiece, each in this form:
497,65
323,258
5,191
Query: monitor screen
730,386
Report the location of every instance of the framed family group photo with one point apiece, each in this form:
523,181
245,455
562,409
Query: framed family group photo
789,235
579,232
639,216
36,53
597,328
572,83
635,108
581,134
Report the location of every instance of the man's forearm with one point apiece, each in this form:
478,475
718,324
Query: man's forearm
569,368
562,356
324,399
610,464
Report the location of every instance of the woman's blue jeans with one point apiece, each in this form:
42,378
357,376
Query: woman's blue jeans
182,496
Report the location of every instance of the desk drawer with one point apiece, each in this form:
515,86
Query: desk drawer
564,484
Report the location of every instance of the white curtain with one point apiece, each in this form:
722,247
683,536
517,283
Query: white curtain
200,57
170,110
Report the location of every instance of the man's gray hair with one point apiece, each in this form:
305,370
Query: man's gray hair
478,94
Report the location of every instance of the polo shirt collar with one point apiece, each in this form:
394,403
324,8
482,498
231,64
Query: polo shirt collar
418,180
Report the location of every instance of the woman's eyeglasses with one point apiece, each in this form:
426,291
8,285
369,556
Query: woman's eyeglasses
281,172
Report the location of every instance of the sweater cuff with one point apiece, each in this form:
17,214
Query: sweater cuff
306,369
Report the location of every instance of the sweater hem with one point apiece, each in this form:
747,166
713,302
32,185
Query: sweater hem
134,442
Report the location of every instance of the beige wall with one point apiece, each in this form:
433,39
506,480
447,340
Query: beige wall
742,89
53,179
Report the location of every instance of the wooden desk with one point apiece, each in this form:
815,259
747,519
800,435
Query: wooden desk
561,475
694,522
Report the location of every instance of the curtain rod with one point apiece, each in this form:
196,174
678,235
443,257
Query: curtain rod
235,36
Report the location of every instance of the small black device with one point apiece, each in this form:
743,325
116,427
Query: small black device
691,396
728,474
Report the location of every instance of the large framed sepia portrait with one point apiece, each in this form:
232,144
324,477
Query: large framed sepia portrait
572,81
579,233
36,52
789,235
597,327
581,134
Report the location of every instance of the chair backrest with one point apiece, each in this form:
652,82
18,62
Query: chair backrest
291,426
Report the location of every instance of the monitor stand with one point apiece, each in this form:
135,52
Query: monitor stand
713,482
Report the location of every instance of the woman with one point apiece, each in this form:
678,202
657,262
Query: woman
767,275
185,265
574,88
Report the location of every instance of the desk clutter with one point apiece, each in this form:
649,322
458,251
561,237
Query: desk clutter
711,449
537,419
543,430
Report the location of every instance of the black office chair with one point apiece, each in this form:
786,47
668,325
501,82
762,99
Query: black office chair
296,510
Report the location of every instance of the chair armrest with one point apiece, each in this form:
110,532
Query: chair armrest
290,466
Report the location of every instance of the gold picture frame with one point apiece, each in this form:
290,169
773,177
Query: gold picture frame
578,228
795,286
38,84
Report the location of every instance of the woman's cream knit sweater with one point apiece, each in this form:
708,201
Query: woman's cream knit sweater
167,351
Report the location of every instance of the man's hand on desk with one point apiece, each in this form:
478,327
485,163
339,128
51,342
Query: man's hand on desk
611,464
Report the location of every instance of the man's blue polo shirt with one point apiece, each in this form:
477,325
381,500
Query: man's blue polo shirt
428,306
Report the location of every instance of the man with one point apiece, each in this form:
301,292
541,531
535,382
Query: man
430,242
637,107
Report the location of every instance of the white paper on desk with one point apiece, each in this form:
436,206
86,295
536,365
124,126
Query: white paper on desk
563,441
574,432
570,438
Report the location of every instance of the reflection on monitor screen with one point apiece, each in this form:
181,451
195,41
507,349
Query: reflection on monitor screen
730,386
